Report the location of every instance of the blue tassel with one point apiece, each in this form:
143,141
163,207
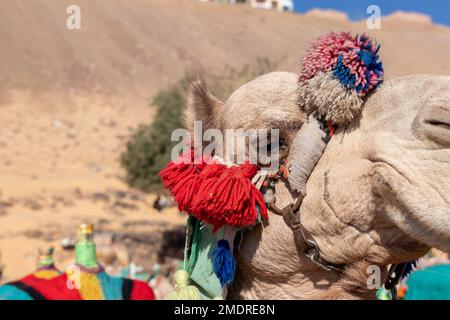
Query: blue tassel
224,263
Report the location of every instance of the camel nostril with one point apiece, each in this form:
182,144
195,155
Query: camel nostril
440,123
436,116
432,123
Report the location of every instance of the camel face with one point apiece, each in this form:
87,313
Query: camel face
268,102
383,183
380,193
384,179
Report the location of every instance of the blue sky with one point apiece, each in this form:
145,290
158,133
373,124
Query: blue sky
439,10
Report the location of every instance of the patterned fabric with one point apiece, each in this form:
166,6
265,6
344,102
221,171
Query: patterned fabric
46,273
16,291
200,245
92,286
432,283
23,289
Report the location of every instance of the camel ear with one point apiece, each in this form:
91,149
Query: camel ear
201,105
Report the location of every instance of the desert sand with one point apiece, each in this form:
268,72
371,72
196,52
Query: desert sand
70,98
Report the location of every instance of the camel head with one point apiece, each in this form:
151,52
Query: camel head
380,193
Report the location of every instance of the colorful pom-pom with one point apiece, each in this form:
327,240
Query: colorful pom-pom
353,60
338,71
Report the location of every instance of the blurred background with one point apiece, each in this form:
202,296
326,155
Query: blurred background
86,114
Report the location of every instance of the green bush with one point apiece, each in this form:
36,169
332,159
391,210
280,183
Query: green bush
149,148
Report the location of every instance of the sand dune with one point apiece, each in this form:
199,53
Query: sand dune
68,98
410,17
327,14
132,48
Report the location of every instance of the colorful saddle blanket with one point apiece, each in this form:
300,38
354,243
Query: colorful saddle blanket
432,283
90,286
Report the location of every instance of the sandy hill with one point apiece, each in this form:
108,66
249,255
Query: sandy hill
130,48
69,97
327,14
409,17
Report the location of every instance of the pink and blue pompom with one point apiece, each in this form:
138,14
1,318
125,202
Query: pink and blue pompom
338,72
354,60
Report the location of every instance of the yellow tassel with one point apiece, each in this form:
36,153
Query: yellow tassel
183,291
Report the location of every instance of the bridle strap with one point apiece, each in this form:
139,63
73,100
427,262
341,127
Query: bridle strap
394,275
292,213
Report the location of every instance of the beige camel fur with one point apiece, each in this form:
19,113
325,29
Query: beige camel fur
379,195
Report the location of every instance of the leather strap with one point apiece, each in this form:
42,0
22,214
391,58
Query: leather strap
291,215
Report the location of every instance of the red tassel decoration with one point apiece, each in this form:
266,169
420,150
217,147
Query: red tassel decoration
231,200
209,177
187,189
174,172
184,191
213,192
182,178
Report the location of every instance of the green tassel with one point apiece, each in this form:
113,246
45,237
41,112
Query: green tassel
183,291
